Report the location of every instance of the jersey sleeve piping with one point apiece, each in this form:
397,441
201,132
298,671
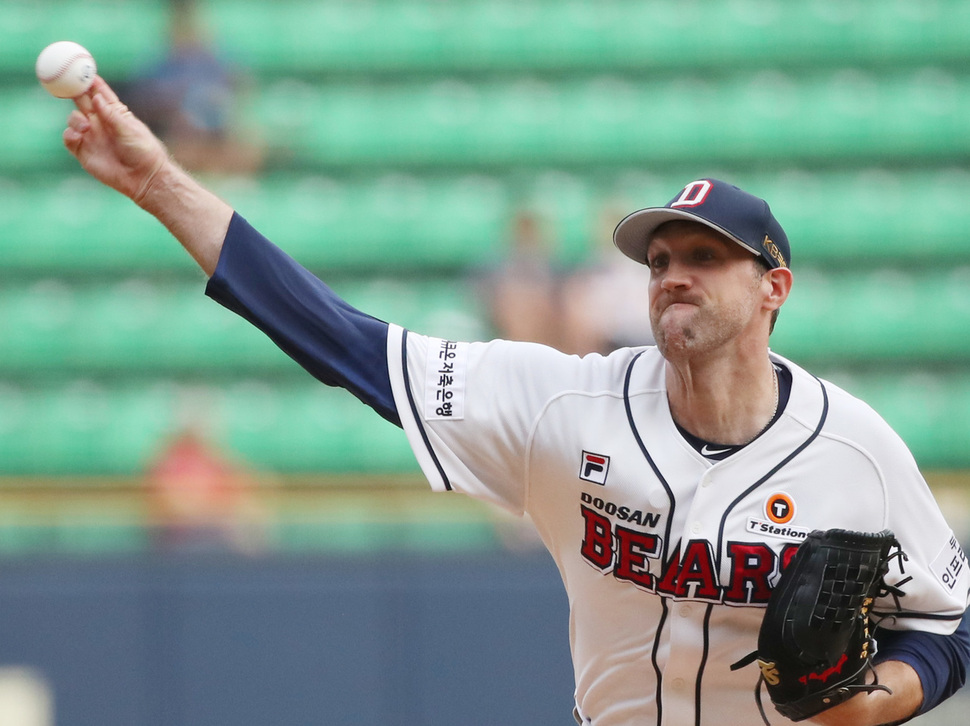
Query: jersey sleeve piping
434,471
862,451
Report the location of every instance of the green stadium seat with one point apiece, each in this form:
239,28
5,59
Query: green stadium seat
95,429
868,214
120,34
448,123
82,427
86,427
15,437
874,215
880,315
408,134
929,409
313,37
30,128
405,36
37,322
52,327
434,222
822,118
310,427
382,222
73,225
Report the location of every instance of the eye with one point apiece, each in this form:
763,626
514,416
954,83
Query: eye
704,254
657,262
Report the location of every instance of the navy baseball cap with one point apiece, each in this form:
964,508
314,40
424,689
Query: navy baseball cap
723,207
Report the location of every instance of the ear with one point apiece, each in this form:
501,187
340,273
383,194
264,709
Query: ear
776,284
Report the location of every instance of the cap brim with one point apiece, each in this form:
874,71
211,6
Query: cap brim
632,235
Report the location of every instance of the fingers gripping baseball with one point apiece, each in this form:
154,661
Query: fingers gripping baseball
112,144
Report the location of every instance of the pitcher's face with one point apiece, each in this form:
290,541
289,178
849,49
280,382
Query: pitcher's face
705,290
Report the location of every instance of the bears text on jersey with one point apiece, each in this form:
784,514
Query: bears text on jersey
690,572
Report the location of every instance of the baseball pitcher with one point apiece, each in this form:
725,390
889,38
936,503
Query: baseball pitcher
739,540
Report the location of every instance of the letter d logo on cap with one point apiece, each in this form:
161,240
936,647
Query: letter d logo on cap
693,195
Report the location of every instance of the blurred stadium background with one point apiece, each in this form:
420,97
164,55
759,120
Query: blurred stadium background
401,139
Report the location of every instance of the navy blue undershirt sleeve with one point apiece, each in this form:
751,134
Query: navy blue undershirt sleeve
941,661
336,343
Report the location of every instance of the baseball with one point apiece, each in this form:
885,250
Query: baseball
65,69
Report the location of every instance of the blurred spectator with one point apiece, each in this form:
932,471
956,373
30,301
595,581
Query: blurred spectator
200,501
522,293
605,302
190,100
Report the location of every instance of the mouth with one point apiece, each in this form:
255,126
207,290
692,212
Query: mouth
676,311
678,305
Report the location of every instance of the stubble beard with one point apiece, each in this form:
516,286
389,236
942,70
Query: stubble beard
702,332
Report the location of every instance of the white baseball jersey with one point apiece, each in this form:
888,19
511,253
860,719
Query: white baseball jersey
667,557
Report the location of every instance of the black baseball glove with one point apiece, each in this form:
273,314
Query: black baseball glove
815,645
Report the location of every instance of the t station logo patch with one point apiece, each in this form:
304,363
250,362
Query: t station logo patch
780,508
594,468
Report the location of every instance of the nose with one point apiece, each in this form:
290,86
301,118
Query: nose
675,276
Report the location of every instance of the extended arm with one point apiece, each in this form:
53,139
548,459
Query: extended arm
117,149
336,343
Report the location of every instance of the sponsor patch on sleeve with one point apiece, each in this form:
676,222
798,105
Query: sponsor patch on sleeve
950,565
444,390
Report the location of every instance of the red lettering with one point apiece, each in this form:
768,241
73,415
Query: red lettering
751,566
598,541
668,580
697,572
786,554
633,549
691,571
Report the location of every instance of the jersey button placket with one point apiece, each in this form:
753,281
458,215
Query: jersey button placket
686,637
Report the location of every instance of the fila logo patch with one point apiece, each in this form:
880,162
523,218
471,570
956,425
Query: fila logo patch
693,195
594,468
